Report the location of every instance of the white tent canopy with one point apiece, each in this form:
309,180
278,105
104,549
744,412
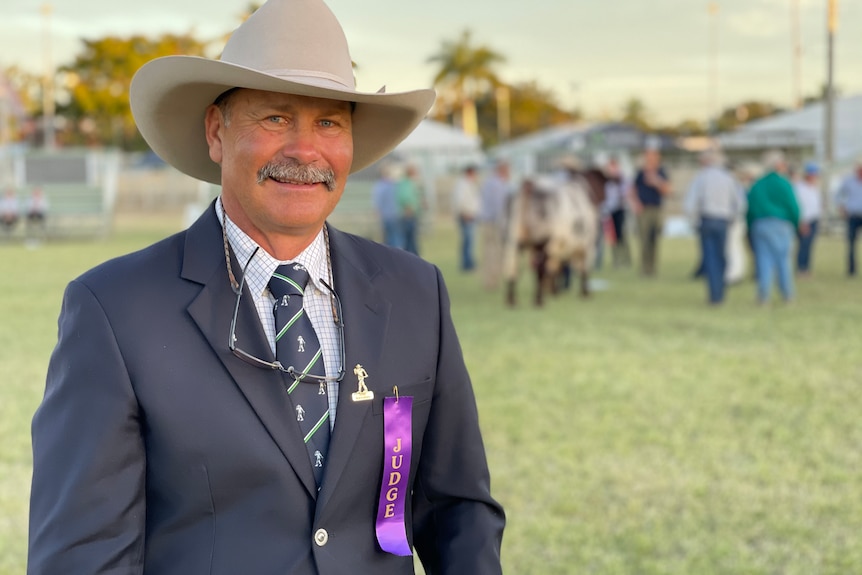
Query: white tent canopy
805,127
438,137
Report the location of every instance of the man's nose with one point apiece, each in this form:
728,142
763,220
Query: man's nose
301,144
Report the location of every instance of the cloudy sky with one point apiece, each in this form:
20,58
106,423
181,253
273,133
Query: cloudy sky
596,54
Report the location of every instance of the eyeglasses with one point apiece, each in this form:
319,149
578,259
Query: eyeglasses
277,365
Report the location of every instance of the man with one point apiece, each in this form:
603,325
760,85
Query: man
647,194
772,216
465,201
850,205
384,195
166,442
713,202
493,197
410,206
807,193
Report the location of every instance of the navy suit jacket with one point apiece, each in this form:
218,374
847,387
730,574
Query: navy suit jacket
157,451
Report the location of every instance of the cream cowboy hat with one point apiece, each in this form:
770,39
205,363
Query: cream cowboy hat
287,46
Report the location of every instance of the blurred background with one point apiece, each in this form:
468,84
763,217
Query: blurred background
528,84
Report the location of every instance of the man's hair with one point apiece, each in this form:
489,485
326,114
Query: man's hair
223,102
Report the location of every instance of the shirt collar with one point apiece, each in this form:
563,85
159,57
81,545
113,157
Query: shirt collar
263,265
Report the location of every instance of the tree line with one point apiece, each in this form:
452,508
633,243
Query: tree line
93,109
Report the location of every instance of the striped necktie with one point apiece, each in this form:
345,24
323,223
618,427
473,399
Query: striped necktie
297,346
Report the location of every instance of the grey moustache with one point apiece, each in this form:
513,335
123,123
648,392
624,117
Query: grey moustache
293,172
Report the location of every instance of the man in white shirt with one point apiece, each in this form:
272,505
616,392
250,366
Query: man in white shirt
713,202
465,204
810,206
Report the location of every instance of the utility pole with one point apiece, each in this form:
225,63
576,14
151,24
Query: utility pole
829,105
504,113
712,8
797,54
48,103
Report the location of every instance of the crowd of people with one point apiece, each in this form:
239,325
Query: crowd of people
399,201
774,209
479,204
33,211
767,212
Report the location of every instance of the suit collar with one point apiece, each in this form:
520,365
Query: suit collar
366,317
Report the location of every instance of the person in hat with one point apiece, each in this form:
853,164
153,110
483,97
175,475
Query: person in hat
810,207
712,203
172,439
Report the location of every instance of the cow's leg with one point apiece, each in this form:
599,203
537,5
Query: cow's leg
541,260
511,300
583,267
585,282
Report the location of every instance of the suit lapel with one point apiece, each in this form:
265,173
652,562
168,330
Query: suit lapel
212,310
366,316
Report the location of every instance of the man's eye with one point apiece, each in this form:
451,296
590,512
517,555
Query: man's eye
327,123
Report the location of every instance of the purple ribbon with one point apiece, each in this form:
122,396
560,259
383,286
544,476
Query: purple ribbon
398,445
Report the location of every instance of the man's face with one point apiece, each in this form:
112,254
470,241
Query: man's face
284,161
652,159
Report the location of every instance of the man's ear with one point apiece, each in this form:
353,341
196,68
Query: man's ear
214,122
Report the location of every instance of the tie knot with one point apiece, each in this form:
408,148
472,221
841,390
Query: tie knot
289,279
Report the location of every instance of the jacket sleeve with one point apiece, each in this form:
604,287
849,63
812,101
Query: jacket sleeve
87,508
458,526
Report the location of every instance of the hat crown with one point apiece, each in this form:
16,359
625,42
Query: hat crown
293,39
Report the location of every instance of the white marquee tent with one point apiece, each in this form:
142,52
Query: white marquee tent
805,127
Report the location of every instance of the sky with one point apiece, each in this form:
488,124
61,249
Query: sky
679,60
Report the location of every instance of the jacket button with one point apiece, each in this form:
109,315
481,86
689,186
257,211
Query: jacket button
321,537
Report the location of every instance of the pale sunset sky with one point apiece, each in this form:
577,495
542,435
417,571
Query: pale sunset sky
595,54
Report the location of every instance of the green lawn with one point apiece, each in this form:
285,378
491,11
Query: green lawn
637,432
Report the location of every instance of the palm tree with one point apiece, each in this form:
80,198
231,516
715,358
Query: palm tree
465,72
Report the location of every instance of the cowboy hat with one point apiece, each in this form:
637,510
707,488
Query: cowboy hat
570,162
287,46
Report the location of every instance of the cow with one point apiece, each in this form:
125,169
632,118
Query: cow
557,223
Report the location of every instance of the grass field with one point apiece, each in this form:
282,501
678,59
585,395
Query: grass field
638,432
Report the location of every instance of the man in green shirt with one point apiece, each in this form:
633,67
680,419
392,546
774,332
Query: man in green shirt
773,216
410,205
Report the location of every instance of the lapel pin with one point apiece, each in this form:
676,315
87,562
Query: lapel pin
363,393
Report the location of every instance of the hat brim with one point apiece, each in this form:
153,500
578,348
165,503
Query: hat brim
169,97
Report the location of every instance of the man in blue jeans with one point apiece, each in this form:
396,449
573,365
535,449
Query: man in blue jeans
773,216
713,201
850,204
384,195
465,202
